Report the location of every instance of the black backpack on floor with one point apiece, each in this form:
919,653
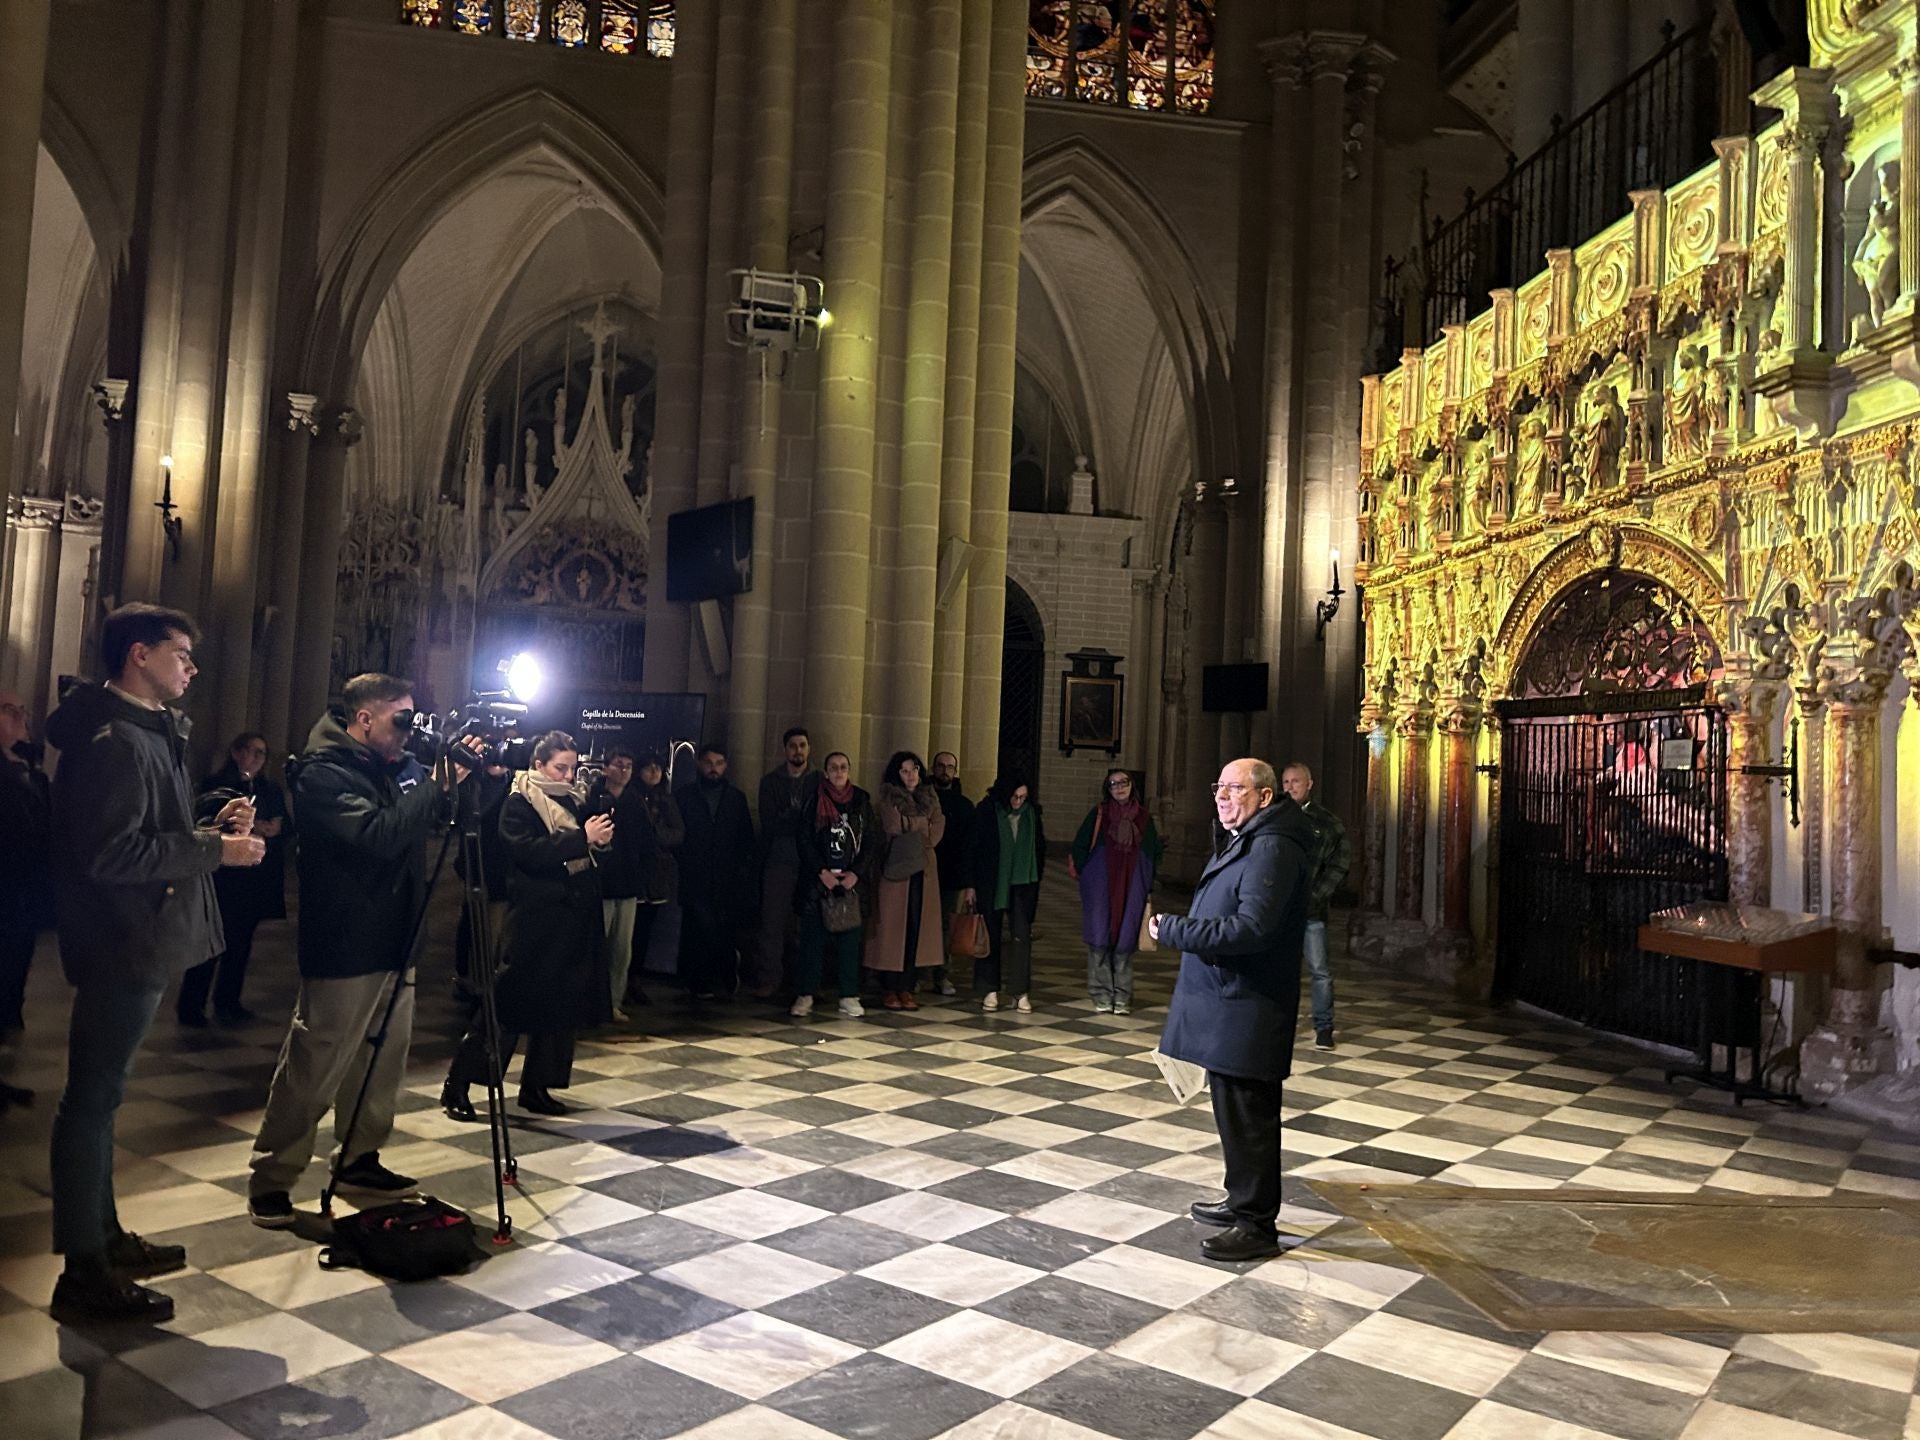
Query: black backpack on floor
414,1239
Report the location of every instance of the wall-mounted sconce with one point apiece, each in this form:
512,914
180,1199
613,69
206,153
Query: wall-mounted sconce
170,522
1326,609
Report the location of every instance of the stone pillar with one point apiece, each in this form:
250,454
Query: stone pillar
683,319
1133,733
993,386
1459,726
74,583
1907,70
111,395
839,580
1376,725
1813,798
770,180
1806,97
1851,1047
1599,40
278,722
963,368
1414,725
935,109
23,70
324,524
33,535
1542,72
1750,706
1205,598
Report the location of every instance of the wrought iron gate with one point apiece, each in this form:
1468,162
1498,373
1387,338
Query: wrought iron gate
1612,806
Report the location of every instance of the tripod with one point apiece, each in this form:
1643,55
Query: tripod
483,961
505,1172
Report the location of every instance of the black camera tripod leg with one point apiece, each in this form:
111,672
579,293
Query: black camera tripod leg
481,957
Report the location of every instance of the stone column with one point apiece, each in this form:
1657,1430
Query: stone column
1806,97
278,721
683,319
935,110
1376,725
1907,71
33,526
1750,706
1850,1047
111,395
770,180
325,522
1414,725
839,579
993,385
1459,725
1542,72
1201,755
1133,733
1813,797
23,69
74,584
963,366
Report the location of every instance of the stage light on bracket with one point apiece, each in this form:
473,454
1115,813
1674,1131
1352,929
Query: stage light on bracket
777,310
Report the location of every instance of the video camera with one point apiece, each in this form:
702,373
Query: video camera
487,717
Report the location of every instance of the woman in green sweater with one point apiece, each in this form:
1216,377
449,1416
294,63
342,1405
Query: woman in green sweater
1006,856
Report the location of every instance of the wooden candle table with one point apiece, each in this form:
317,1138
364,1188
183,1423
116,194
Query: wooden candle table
1733,988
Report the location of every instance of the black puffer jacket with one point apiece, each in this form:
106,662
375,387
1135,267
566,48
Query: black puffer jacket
363,870
133,874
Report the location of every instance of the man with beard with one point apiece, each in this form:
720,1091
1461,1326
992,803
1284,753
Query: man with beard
716,869
782,790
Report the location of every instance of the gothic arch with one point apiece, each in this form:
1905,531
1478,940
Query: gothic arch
1598,548
360,270
1195,332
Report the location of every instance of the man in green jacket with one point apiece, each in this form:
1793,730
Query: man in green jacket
1332,859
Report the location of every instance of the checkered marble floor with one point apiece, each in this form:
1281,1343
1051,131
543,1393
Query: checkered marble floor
936,1224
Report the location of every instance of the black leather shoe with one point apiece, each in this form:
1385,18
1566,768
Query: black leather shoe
137,1259
1239,1243
1212,1212
191,1019
108,1300
454,1100
541,1102
1323,1039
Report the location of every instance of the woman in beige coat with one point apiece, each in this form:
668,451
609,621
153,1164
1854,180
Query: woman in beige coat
907,933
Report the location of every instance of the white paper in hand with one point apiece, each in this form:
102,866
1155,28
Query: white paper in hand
1186,1080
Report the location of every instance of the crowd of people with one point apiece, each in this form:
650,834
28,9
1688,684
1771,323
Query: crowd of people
901,888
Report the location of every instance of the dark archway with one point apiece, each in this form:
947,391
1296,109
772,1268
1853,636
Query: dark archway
1023,686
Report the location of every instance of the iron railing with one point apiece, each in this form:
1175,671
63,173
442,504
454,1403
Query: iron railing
1652,130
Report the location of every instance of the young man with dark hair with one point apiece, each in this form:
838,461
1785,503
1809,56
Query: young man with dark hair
1332,859
782,791
364,806
950,855
716,869
133,878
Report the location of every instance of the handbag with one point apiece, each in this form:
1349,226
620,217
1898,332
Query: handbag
906,856
840,911
414,1239
968,937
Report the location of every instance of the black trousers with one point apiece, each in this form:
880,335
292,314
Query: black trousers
549,1058
1247,1115
232,968
16,958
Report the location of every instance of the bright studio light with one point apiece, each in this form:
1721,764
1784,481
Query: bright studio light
525,675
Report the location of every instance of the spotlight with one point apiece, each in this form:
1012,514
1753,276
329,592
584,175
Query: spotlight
525,676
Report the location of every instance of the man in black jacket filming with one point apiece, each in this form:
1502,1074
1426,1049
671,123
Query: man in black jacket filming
364,806
133,882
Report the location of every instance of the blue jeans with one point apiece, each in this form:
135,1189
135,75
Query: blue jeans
109,1022
1320,973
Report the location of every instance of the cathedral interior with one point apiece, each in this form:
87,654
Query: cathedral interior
1509,409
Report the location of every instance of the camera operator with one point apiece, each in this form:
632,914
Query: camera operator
133,879
364,806
553,982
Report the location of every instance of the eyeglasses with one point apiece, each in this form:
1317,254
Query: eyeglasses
1233,788
1119,784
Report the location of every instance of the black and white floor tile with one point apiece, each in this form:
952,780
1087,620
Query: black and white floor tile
919,1225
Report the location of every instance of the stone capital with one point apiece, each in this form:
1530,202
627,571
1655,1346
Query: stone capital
111,397
1307,56
1458,715
38,513
303,413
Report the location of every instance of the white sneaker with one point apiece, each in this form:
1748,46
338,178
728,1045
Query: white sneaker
990,1001
851,1008
620,1016
946,988
802,1007
1023,1005
1103,1007
1121,1007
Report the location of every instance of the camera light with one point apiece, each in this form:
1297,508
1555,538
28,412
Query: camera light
525,676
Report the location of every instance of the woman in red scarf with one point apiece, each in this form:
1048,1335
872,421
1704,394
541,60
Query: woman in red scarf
1114,858
838,834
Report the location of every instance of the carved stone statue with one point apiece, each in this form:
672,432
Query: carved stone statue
530,467
1476,482
1876,260
1720,396
1597,439
1531,468
1686,406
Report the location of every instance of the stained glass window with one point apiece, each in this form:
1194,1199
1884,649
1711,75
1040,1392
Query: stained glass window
624,27
523,19
570,22
1147,54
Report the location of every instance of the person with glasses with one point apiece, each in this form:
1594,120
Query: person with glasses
1115,855
1006,860
1238,996
247,896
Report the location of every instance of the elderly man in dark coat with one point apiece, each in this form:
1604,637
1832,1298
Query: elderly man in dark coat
1238,996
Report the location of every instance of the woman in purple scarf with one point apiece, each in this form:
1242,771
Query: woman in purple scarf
1114,857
